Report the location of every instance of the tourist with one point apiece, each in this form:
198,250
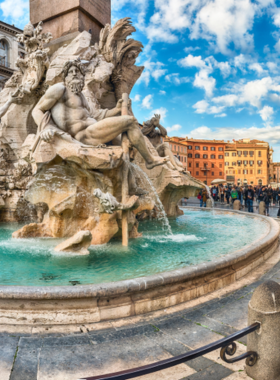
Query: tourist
214,193
204,197
266,199
222,194
278,195
234,194
227,191
250,194
270,192
199,197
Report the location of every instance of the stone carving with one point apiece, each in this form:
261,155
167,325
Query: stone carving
155,133
123,53
34,65
77,244
64,111
109,203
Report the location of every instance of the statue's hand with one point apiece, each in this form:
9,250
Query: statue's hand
47,135
119,104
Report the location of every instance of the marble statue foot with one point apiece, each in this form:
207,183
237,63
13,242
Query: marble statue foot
157,162
137,191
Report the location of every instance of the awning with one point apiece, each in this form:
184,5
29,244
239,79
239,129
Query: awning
218,181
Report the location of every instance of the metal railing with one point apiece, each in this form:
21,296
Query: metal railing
227,345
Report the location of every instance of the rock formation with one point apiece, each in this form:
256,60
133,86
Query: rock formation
77,244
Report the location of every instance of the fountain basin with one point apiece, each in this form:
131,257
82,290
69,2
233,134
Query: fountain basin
44,305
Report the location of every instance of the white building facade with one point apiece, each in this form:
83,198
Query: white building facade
10,50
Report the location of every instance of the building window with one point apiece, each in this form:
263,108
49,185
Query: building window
251,163
220,166
212,165
178,148
197,155
233,154
239,153
197,173
251,171
259,171
189,147
212,173
239,163
226,163
259,163
260,153
205,148
220,173
190,155
221,149
226,154
233,163
245,171
251,153
245,153
182,149
213,148
213,156
185,150
205,156
185,159
221,157
190,164
197,148
4,51
245,163
197,165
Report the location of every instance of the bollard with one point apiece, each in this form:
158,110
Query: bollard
262,208
264,308
237,205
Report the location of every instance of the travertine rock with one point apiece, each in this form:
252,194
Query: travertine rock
106,229
78,243
33,230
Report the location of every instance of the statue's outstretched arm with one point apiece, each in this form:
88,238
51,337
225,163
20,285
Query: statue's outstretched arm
6,106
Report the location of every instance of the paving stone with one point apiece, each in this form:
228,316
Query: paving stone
71,340
7,355
26,364
215,372
30,342
71,363
176,348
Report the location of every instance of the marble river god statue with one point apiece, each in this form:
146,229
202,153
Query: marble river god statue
64,111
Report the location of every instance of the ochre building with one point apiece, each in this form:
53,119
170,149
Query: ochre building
247,162
205,159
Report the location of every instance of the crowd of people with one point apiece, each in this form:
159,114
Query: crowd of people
245,194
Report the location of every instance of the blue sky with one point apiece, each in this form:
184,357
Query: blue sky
212,66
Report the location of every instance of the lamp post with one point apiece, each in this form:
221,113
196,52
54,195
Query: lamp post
205,170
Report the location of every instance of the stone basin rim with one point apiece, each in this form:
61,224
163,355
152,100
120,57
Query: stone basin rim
126,287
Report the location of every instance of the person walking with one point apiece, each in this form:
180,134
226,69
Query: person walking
266,199
234,194
204,198
227,191
222,194
250,195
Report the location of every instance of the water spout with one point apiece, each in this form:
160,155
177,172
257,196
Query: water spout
162,214
210,196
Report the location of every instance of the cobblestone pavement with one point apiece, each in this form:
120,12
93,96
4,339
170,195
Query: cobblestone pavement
114,346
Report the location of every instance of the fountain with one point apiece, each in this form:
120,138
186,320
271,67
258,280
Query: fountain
84,206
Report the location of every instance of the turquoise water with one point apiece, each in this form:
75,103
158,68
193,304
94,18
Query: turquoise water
197,237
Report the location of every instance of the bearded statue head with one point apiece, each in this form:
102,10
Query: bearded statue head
74,76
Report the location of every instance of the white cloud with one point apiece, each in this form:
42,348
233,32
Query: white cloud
158,73
257,68
267,133
191,61
221,115
137,98
240,62
152,69
147,102
15,9
174,128
161,111
227,100
176,79
191,48
162,92
203,107
266,113
272,66
202,80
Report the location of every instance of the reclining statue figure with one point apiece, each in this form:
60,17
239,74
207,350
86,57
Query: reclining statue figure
65,111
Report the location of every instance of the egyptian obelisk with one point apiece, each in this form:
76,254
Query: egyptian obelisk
65,19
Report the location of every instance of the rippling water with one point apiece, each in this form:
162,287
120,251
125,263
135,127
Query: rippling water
197,237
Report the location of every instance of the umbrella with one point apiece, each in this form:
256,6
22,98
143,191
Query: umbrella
218,181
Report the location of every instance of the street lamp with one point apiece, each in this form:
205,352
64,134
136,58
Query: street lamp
205,170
